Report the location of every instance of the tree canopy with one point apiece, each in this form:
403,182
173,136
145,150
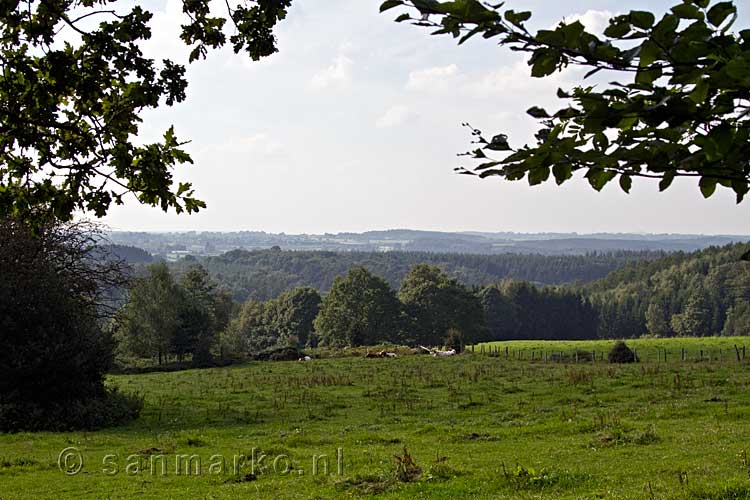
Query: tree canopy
74,85
679,105
439,305
360,309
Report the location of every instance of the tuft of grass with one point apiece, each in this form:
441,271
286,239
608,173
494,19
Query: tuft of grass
6,463
531,479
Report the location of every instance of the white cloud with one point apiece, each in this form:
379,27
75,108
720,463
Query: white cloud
337,75
516,78
595,21
394,116
435,78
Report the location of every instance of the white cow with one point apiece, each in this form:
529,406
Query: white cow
436,353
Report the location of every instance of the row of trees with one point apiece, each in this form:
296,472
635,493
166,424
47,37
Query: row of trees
166,317
429,308
361,309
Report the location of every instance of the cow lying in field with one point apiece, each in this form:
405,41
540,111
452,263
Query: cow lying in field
437,353
304,359
381,354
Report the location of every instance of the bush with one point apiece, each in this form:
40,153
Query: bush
279,354
109,409
621,353
55,353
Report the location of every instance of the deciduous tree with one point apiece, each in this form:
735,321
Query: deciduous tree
360,309
74,85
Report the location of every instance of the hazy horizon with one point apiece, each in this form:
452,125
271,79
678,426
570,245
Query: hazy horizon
564,233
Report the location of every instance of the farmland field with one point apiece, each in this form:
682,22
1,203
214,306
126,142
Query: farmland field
475,426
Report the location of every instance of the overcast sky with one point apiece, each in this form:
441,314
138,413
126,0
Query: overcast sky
355,125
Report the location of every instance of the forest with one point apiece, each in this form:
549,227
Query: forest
265,274
187,310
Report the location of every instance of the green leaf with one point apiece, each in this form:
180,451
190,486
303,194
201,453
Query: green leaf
687,11
517,18
537,112
627,122
626,182
719,13
389,4
538,175
402,18
664,31
598,177
544,62
648,76
642,19
650,53
700,92
666,181
562,172
617,29
708,186
499,143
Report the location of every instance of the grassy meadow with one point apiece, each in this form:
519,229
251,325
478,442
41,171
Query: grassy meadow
473,426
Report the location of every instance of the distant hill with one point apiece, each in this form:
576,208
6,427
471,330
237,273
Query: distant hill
264,274
177,245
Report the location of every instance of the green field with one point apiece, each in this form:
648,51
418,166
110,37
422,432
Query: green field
477,426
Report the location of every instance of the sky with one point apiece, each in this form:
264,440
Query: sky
355,125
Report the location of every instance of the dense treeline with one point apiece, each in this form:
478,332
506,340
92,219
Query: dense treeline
265,274
695,294
703,293
522,311
190,317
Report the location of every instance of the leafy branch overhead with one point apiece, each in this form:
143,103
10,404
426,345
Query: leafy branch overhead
680,107
70,111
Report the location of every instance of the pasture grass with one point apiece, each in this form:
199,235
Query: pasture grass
473,426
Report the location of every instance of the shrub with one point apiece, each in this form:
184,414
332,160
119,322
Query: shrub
106,410
55,352
621,353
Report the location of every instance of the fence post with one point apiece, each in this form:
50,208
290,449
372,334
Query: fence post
737,352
